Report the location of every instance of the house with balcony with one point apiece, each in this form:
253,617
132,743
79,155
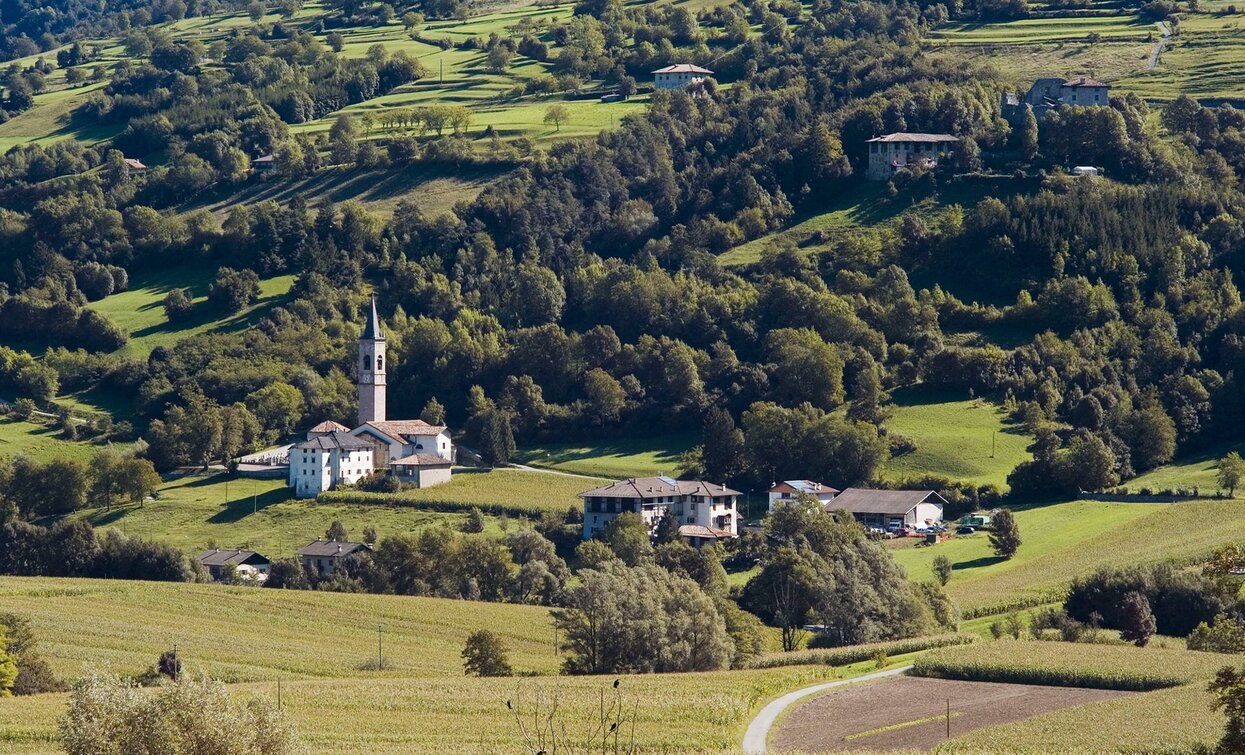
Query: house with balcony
788,490
706,511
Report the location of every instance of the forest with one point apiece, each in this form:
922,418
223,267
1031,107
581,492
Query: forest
580,297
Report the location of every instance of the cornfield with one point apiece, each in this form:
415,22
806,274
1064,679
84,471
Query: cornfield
842,656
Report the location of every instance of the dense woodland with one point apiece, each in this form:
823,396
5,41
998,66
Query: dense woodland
580,296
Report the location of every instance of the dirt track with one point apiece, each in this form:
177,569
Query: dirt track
909,713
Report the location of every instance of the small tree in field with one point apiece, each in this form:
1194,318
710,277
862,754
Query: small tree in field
557,115
1005,534
942,569
485,655
1138,620
1228,688
1231,472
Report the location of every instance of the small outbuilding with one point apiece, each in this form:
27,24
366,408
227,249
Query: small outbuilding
135,165
243,563
421,470
890,509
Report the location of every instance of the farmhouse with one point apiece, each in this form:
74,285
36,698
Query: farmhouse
334,455
679,76
789,490
322,462
245,564
264,166
1050,93
325,556
135,165
708,508
892,152
889,509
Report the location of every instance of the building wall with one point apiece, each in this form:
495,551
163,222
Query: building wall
310,472
882,154
721,513
430,476
1084,96
674,80
928,511
776,498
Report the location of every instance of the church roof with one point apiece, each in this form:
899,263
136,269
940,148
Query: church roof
372,331
400,429
330,441
329,426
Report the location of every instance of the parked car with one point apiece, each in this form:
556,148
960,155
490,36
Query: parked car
965,530
901,532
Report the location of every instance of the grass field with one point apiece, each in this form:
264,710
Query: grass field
197,512
964,440
140,311
626,457
38,441
1065,540
1198,470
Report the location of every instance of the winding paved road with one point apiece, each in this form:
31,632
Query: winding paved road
1158,46
758,731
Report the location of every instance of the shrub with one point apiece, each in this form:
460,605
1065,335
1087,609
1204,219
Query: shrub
1226,635
842,656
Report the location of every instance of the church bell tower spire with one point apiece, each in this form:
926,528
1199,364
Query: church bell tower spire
372,370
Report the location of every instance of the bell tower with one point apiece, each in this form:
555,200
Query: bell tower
372,370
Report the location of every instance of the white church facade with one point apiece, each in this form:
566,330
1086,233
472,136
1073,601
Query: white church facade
418,453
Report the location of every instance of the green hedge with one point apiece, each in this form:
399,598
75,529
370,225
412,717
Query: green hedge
857,653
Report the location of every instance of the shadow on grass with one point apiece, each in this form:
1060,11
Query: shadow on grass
977,562
241,508
666,450
204,314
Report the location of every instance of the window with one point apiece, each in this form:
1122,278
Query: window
380,362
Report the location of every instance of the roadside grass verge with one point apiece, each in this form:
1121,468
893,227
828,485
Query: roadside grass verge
843,656
1063,664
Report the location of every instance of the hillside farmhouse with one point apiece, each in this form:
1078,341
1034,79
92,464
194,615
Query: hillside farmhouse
332,455
679,76
245,564
326,556
788,490
706,511
1054,92
892,152
888,509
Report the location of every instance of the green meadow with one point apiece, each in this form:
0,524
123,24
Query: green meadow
1062,541
619,458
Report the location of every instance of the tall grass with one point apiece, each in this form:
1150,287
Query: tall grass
857,653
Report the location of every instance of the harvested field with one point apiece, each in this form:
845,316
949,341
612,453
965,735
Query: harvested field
909,713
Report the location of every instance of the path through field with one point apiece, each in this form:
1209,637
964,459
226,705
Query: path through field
911,713
1158,46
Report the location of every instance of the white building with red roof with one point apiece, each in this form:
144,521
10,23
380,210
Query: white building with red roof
788,490
706,511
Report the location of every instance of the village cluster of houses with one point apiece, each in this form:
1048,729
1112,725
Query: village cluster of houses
321,556
708,511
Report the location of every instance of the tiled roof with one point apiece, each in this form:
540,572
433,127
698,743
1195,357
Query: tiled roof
656,487
1083,81
802,486
333,440
421,460
868,501
400,429
329,426
904,138
323,548
683,68
696,530
219,557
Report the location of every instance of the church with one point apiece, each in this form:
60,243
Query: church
417,453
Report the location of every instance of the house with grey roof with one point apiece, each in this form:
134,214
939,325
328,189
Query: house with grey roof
1053,92
890,509
893,152
708,508
222,563
326,556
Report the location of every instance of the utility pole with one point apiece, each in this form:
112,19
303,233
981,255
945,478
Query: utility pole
380,649
994,437
278,693
948,718
255,503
